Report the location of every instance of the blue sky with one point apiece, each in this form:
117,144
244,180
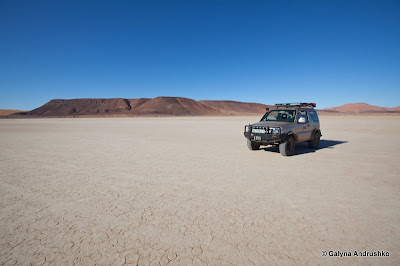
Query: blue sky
329,52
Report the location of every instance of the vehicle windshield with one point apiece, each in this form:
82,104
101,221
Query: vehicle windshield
280,116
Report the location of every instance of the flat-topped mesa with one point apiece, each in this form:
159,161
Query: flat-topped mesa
74,107
236,108
169,106
160,106
176,106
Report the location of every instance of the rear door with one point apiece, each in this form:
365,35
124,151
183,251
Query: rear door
314,120
308,128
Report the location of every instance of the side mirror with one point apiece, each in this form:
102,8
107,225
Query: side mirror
267,108
301,120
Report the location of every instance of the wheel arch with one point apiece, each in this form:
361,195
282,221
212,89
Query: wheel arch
316,131
291,133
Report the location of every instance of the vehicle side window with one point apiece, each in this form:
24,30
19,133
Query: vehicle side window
314,116
303,114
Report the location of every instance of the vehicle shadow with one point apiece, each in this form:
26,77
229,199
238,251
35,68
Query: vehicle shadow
302,148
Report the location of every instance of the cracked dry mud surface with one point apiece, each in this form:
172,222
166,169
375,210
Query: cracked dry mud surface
183,191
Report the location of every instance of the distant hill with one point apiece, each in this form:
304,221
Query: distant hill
168,106
9,111
160,106
362,108
236,108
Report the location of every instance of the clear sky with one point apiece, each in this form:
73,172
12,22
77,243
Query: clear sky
329,52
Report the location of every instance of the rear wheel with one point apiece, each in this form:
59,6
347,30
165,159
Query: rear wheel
314,142
287,148
252,145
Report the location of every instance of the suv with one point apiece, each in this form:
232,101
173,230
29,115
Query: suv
284,126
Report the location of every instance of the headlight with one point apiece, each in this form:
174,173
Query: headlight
275,130
246,129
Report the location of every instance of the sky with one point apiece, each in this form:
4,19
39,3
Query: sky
328,52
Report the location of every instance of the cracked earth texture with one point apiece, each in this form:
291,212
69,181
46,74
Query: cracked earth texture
187,191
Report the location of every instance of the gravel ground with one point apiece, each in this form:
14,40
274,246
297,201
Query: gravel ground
185,191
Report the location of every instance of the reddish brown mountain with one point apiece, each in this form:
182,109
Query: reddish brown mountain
82,107
163,106
361,108
174,106
236,108
168,106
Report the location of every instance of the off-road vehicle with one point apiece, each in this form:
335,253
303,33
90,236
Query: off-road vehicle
284,126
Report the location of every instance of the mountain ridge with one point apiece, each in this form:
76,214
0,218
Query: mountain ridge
4,112
159,106
361,108
169,106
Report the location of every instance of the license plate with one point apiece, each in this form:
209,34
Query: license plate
257,137
256,130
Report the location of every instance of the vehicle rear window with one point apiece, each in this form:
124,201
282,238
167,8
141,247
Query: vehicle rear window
314,116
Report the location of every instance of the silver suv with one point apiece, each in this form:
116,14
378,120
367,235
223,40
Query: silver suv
284,126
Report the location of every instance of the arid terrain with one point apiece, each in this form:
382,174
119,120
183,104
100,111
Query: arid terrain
169,106
186,190
362,108
4,112
160,106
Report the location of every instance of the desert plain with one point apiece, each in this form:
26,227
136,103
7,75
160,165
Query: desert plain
186,190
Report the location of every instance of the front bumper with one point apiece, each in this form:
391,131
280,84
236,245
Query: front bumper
265,138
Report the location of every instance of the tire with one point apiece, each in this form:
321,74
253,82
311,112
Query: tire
287,148
314,142
252,146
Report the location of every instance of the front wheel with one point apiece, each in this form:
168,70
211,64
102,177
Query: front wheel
287,148
252,145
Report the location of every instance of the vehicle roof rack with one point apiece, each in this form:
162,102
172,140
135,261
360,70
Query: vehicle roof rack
312,105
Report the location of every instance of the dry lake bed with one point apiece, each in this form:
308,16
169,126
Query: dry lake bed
186,190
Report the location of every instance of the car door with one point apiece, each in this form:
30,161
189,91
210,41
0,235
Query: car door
303,130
